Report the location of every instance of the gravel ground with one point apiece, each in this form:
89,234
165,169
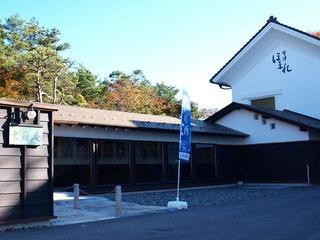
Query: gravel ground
208,196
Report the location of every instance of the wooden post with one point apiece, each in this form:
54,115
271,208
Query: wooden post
76,195
118,201
308,174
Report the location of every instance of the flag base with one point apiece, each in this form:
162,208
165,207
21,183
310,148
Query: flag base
178,204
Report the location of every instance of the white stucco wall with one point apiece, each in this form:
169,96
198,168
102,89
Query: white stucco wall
297,90
243,120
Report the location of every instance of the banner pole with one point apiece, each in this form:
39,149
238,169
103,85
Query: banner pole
184,145
178,184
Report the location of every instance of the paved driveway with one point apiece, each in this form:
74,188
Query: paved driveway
293,216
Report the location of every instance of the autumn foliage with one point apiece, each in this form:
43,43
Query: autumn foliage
32,68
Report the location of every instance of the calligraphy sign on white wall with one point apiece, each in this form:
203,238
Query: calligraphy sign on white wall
281,60
25,135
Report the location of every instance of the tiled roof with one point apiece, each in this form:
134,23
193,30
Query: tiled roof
269,21
86,116
288,116
25,104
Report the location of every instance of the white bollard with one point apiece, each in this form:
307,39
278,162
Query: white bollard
118,201
76,195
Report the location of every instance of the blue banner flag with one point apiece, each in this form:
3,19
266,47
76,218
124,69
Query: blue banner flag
185,128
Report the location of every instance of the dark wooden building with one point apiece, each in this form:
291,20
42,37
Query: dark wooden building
26,162
100,149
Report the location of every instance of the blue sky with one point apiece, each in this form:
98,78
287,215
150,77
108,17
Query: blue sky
178,42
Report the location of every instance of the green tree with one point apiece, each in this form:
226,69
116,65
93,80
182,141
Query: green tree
36,50
171,106
9,72
195,113
66,94
87,86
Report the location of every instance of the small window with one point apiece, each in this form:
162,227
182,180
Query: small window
264,121
272,126
264,102
302,129
255,116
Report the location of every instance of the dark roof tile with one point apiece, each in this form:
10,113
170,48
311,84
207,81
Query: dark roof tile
285,115
96,117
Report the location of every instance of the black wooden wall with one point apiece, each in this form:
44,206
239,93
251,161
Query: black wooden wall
269,163
227,164
26,185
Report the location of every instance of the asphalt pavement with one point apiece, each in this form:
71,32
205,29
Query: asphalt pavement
292,216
